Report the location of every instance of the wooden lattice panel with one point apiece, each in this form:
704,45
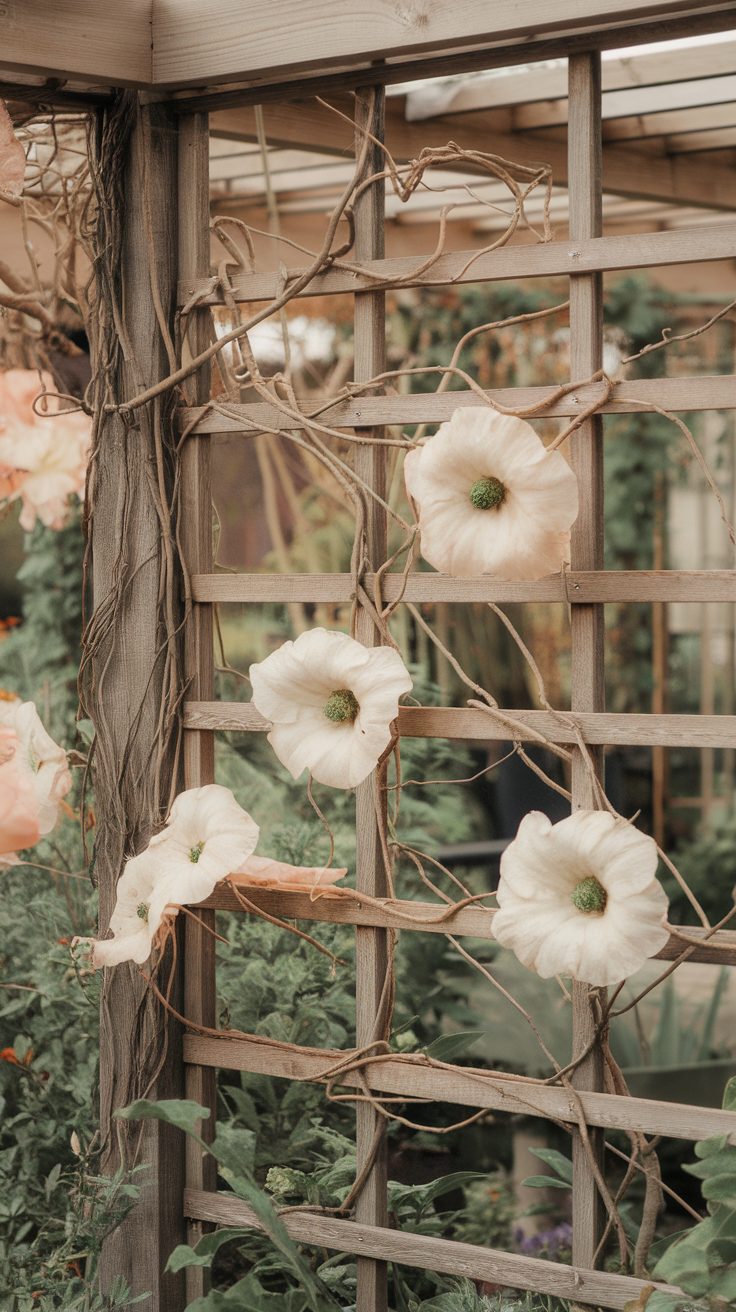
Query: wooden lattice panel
585,588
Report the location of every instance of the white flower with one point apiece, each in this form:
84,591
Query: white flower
332,703
207,836
581,897
265,872
491,499
41,760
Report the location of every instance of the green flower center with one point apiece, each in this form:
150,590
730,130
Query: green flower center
195,853
142,911
589,896
341,705
487,493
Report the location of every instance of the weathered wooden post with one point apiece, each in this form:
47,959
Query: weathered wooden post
132,668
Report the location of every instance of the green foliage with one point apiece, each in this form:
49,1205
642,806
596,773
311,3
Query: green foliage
559,1165
708,864
464,1297
702,1261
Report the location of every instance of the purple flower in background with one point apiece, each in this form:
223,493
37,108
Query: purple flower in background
553,1243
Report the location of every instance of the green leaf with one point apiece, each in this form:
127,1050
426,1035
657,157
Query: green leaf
729,1095
180,1112
685,1264
545,1182
317,1299
559,1163
720,1189
448,1046
235,1148
202,1255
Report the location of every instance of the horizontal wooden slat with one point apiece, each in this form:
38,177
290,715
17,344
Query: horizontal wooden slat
545,259
717,392
446,1256
575,587
415,1077
424,917
465,723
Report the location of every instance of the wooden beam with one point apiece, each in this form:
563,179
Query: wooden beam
416,1076
676,121
462,723
626,172
260,89
576,586
633,102
189,47
447,1256
79,39
426,918
538,260
715,393
517,87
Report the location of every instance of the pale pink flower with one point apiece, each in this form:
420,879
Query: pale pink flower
266,872
12,159
40,761
43,456
19,823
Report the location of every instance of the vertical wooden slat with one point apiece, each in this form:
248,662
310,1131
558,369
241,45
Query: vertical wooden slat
372,945
196,539
586,345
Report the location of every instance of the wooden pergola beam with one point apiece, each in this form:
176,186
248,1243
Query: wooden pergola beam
293,37
626,172
630,103
628,71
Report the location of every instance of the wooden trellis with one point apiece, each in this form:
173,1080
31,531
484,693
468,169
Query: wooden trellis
584,257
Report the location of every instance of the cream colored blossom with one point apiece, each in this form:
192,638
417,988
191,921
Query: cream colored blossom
490,499
206,836
43,456
41,761
581,897
332,703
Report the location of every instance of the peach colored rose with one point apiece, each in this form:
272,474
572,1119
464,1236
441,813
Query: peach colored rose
40,761
12,159
43,452
19,823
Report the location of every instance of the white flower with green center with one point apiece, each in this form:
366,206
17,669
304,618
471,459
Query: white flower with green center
491,499
331,703
581,897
